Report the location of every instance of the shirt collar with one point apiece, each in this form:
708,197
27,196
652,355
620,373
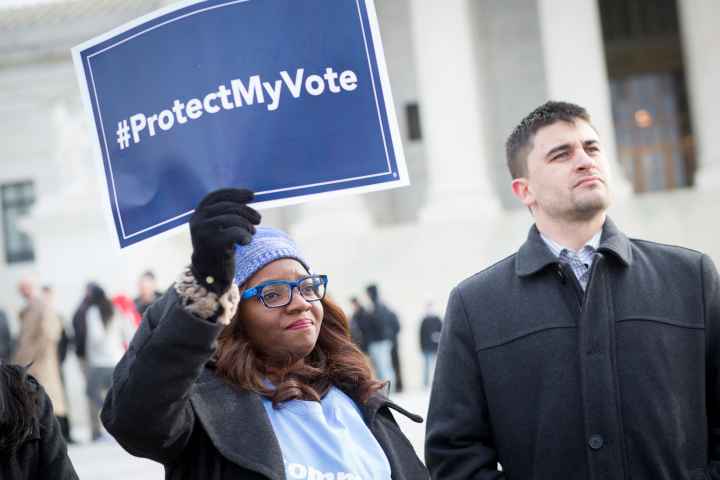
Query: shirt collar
534,255
556,247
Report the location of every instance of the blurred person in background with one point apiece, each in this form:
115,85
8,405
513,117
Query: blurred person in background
7,342
147,292
585,354
245,369
387,326
79,324
359,324
379,345
430,327
108,334
47,295
32,446
124,305
48,298
37,345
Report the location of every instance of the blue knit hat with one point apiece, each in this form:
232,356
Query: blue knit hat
267,245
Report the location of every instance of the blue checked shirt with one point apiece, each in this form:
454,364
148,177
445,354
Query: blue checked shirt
581,261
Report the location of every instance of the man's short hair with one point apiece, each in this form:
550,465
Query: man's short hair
519,143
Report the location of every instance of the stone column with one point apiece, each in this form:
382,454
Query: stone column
392,207
576,70
513,72
450,87
701,42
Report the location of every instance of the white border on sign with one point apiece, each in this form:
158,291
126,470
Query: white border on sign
387,91
402,180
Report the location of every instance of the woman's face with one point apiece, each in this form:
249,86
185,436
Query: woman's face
277,332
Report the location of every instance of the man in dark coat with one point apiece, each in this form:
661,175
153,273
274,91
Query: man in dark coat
388,327
586,354
359,325
430,328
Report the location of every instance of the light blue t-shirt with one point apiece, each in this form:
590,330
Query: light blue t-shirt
327,440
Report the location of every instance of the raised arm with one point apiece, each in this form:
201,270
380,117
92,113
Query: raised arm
148,408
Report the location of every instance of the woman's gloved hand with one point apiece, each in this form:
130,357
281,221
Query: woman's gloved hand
221,220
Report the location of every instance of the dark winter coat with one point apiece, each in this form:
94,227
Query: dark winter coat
384,324
621,383
79,323
43,455
7,343
359,328
430,328
168,405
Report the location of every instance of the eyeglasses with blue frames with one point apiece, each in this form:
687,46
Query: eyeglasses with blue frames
278,293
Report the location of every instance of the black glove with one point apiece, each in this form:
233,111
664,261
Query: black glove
221,220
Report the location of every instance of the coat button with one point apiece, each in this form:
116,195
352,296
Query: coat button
596,442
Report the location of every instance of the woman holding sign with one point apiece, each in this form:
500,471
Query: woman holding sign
245,369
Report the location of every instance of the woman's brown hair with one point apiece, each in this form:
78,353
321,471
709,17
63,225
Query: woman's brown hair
335,360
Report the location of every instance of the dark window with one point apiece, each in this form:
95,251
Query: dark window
17,198
412,114
627,20
644,55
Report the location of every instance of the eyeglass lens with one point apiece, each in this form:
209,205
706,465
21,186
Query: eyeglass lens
311,289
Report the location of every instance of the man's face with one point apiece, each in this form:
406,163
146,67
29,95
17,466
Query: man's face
568,174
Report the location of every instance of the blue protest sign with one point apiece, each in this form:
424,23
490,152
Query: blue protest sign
289,98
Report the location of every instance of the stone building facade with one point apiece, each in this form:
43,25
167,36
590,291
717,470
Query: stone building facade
463,73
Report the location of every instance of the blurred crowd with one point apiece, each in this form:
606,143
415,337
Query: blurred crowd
375,328
98,334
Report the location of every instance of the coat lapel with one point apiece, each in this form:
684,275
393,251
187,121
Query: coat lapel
236,422
616,243
534,255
